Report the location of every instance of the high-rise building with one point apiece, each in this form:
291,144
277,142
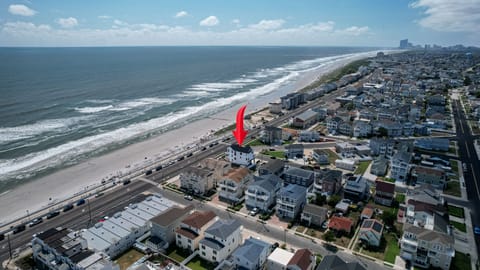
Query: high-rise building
404,43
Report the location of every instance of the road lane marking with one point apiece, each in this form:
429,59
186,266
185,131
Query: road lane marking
475,181
461,126
468,151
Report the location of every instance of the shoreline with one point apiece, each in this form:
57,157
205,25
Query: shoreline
66,182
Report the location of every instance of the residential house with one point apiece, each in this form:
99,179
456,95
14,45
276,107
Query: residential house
345,128
252,255
294,151
401,165
343,206
321,156
220,240
281,259
435,144
273,166
216,166
232,186
196,180
356,188
290,201
346,149
327,181
240,155
305,119
57,248
341,224
262,192
118,233
292,100
164,225
384,192
362,128
362,150
275,107
367,212
379,166
382,147
346,164
314,215
191,230
271,135
302,177
370,232
432,176
394,129
333,123
308,136
427,248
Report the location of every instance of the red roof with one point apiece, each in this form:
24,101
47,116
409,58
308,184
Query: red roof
301,258
367,212
386,187
198,219
340,224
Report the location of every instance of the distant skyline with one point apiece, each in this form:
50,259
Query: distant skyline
293,23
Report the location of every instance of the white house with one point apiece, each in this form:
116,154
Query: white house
196,180
240,155
220,240
262,192
346,164
252,255
163,226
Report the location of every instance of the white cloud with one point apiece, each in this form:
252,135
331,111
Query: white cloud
119,23
450,15
67,22
354,30
236,21
181,14
268,24
209,21
104,17
21,10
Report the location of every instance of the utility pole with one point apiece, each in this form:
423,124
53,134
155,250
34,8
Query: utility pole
89,213
9,246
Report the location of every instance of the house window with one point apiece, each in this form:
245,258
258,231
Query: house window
214,258
203,253
189,241
215,252
178,236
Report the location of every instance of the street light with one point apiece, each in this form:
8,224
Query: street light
28,215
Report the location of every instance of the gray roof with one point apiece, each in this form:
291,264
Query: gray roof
202,172
223,228
429,235
315,210
251,249
329,175
307,115
268,182
244,149
358,185
335,262
293,191
403,156
299,172
273,165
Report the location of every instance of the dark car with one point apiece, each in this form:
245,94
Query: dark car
53,214
181,158
35,222
148,172
68,207
204,148
189,154
159,168
2,236
19,228
476,230
126,182
80,202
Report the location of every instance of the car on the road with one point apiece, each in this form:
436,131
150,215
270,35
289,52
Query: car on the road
80,202
188,197
181,158
18,228
35,222
204,148
464,167
476,230
53,214
68,207
148,172
126,182
99,194
189,154
159,168
325,225
254,211
2,236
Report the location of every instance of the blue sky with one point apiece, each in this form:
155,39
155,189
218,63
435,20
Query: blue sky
245,22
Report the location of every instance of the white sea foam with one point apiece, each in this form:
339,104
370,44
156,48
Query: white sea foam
93,109
141,102
217,87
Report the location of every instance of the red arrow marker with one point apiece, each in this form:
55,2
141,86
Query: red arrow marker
239,132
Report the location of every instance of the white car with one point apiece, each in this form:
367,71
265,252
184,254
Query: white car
188,197
254,211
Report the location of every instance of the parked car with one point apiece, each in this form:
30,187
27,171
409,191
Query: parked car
254,211
181,158
2,236
18,228
325,225
35,222
126,182
80,202
68,207
99,194
189,154
188,197
476,230
148,172
159,168
53,214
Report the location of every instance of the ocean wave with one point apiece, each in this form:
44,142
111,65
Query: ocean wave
93,109
217,87
123,106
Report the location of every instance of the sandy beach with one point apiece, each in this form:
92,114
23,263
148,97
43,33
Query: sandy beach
62,184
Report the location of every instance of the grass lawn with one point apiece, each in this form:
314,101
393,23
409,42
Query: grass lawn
300,229
198,263
392,249
332,156
277,154
400,198
362,167
454,166
255,142
177,254
461,262
456,211
460,226
453,188
128,258
225,129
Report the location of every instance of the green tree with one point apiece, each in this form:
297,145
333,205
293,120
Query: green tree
467,81
329,236
388,217
334,199
383,132
320,199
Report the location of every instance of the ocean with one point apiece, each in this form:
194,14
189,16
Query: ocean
59,106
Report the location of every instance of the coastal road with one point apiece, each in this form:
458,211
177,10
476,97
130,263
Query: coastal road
468,155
